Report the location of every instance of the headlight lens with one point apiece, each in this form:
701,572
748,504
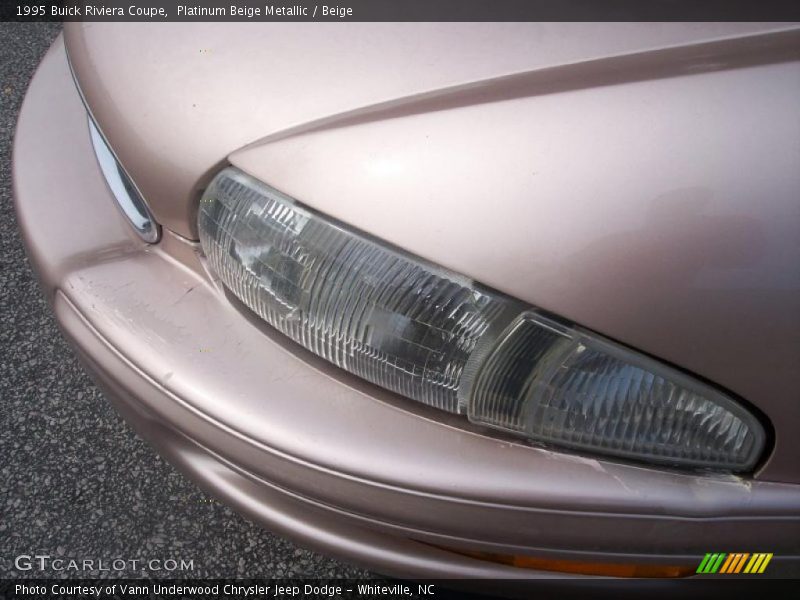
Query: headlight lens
401,323
561,385
443,340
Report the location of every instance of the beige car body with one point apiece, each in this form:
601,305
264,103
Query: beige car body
641,180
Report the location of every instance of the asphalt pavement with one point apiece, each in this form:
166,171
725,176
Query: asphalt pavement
75,481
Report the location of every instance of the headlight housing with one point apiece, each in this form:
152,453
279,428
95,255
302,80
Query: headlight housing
441,339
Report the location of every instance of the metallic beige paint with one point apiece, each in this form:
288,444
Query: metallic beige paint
641,180
342,465
175,99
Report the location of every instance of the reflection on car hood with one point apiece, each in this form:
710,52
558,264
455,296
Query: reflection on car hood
174,99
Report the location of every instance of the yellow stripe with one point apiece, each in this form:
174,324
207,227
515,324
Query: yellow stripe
741,562
765,563
752,563
754,568
727,563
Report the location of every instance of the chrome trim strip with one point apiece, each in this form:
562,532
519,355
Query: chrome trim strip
125,190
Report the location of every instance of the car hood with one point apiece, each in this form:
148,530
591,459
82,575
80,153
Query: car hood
174,99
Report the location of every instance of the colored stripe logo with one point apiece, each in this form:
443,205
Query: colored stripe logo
734,563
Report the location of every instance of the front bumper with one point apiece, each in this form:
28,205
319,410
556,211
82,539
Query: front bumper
311,452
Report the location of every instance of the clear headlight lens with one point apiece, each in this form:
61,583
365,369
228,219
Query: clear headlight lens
441,339
395,321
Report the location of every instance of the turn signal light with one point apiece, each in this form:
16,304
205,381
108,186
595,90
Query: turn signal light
596,569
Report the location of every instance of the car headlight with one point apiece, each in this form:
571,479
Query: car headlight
441,339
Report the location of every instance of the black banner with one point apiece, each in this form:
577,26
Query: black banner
388,589
401,10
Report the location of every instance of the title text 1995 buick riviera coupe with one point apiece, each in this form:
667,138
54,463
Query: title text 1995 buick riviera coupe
463,300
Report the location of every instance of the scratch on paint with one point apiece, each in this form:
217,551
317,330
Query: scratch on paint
186,293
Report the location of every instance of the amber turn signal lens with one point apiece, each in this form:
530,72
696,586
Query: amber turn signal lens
577,567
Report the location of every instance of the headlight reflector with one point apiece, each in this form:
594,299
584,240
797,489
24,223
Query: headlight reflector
441,339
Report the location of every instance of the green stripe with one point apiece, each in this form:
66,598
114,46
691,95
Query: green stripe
718,564
710,562
701,568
